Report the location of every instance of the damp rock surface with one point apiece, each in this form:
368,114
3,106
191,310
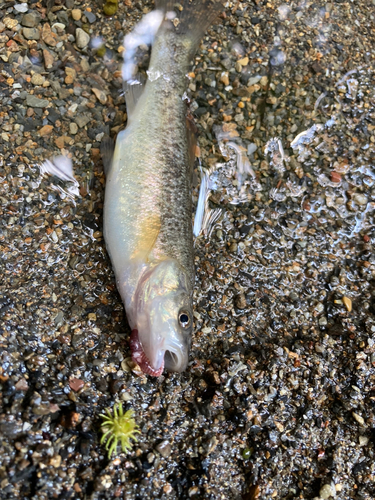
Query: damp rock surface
278,398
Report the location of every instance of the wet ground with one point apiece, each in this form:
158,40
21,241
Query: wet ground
278,401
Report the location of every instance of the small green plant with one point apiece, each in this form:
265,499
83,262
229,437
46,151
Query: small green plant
118,427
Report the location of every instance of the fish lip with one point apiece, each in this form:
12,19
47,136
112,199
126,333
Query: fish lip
139,356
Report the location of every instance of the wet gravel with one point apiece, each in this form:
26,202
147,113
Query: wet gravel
278,400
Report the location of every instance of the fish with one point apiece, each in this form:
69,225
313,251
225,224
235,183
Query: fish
147,222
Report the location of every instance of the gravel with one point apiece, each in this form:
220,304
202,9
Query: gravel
278,399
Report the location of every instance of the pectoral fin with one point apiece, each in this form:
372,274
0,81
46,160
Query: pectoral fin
107,147
133,91
148,234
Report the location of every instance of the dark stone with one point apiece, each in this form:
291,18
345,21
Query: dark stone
358,468
280,89
102,385
316,68
62,16
53,115
115,386
244,230
200,111
238,348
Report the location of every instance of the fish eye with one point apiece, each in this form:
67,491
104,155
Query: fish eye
184,319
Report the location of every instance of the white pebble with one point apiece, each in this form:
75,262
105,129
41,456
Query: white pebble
82,38
327,491
21,7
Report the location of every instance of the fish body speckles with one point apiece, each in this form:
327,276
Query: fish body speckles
148,212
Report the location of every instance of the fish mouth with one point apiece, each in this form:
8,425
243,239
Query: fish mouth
139,356
175,361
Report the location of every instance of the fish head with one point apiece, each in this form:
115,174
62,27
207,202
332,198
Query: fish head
170,331
164,320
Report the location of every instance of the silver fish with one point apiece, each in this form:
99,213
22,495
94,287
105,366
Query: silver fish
148,198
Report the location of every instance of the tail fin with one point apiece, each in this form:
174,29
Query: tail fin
191,17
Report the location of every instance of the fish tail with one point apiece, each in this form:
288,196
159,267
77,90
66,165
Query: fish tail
191,18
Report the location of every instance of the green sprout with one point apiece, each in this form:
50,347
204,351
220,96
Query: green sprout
119,427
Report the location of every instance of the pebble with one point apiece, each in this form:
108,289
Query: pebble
36,102
327,491
60,27
359,198
244,61
100,95
358,418
10,23
55,461
319,307
85,65
37,79
238,67
363,440
233,247
193,491
164,448
62,141
73,128
48,59
224,78
31,33
21,7
254,80
251,148
91,17
348,303
241,301
323,321
319,348
48,36
31,19
82,120
70,75
46,130
82,38
76,384
167,488
335,177
22,385
76,14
